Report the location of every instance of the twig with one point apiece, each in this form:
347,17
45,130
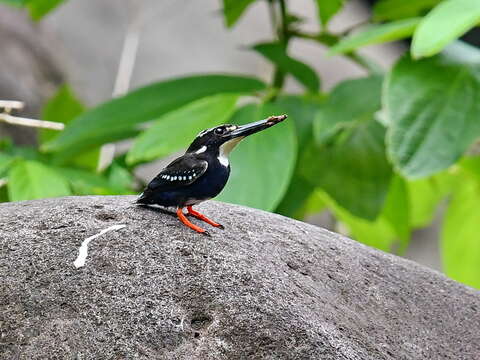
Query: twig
124,73
15,120
9,105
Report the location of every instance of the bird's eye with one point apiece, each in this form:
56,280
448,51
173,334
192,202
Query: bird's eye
219,131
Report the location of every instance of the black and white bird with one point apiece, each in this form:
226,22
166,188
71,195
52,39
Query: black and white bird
202,172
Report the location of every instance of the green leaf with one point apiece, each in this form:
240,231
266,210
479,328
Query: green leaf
34,180
350,102
5,162
263,164
378,233
4,193
328,8
62,107
119,177
460,241
301,110
18,3
39,8
432,106
295,198
350,165
277,54
401,9
233,10
376,34
87,183
397,211
446,22
425,195
177,129
119,118
353,169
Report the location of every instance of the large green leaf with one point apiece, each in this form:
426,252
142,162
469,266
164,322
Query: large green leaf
277,54
5,162
401,9
376,34
460,239
432,106
294,201
88,183
120,117
446,22
378,233
327,9
351,166
425,195
350,102
397,211
62,107
233,10
263,163
34,180
353,169
301,110
177,129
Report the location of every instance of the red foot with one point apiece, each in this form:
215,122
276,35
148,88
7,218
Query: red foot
184,220
203,217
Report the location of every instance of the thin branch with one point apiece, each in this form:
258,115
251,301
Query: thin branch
43,124
9,105
129,54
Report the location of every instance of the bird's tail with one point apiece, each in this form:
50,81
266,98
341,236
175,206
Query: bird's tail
143,199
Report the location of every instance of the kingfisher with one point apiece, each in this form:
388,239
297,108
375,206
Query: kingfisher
202,172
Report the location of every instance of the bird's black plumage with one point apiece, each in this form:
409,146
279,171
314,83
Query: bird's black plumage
188,180
202,172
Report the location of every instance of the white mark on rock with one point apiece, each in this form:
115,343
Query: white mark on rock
83,250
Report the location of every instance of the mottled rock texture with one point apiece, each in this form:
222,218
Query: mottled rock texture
266,287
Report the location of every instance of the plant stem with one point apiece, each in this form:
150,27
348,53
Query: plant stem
124,73
283,38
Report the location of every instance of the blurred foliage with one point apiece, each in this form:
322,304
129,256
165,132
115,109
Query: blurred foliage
380,153
36,8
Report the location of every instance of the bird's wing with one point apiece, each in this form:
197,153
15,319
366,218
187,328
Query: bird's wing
181,172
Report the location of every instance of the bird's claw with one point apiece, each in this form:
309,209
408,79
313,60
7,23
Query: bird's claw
206,233
220,226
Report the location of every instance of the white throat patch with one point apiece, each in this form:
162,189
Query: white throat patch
226,148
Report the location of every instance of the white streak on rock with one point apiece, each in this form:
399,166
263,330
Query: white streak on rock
83,250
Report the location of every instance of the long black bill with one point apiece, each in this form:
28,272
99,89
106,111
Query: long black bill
252,128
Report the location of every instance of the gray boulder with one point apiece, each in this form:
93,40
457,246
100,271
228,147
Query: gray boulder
266,287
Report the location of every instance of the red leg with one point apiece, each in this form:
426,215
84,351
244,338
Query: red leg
203,217
184,220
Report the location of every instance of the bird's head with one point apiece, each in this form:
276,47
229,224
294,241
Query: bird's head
222,139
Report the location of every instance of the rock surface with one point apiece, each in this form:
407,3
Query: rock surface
267,287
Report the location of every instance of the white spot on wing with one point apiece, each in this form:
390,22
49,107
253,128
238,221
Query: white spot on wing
201,150
83,250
